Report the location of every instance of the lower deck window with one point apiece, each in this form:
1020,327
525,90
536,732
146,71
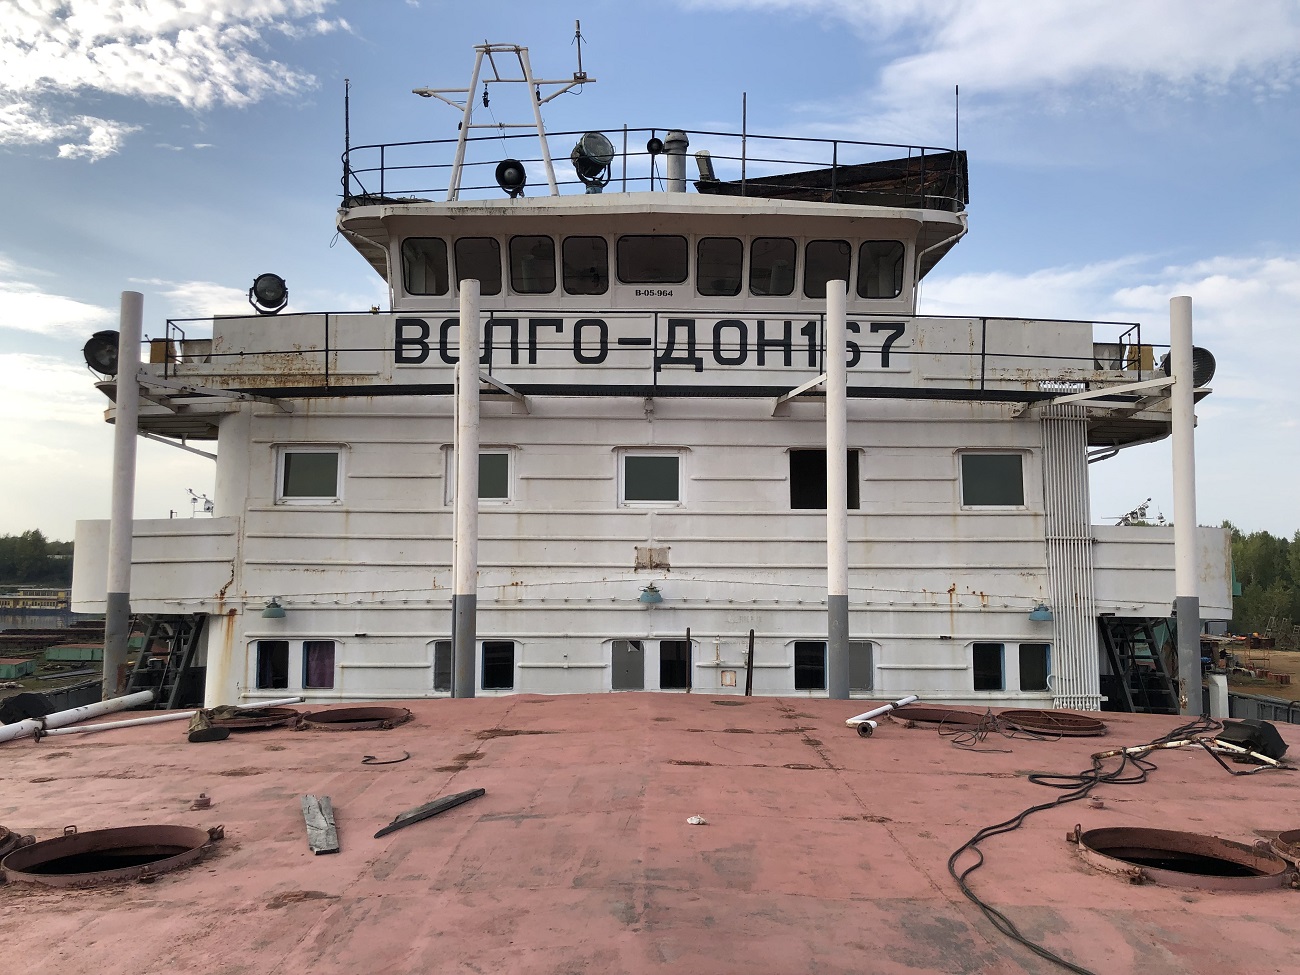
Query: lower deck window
272,664
651,479
862,670
809,665
987,661
498,665
442,665
1035,664
308,475
318,663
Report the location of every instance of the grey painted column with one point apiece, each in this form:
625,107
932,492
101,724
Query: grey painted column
465,550
117,612
1187,602
837,495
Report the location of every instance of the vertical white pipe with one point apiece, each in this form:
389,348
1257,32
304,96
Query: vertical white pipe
1182,405
465,570
1186,590
837,498
117,611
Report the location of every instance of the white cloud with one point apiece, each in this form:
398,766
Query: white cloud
1044,53
54,430
194,54
198,299
1244,312
26,307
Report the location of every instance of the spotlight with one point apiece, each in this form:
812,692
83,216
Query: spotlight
100,352
269,294
591,159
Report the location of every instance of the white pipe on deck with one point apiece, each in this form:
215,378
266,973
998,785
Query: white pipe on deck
20,729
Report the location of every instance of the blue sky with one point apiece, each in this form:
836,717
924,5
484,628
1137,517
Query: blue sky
1121,152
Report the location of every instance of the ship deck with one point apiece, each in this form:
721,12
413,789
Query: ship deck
823,851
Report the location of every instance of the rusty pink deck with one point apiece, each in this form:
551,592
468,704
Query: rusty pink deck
824,852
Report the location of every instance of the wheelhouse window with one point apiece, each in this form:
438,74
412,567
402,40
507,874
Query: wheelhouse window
992,480
480,257
424,265
652,259
272,664
808,479
498,665
809,665
771,266
880,269
318,663
532,265
307,475
585,265
718,264
1035,665
650,479
986,661
825,260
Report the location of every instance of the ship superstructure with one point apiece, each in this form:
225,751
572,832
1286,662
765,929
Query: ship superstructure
652,442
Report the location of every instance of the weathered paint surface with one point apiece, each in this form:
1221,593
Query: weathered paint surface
823,852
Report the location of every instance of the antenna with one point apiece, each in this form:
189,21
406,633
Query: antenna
956,118
347,135
578,75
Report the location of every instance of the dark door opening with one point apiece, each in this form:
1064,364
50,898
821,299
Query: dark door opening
674,664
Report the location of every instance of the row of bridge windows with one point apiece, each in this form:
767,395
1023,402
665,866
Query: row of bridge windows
772,268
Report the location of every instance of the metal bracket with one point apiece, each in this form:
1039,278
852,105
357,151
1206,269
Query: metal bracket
1103,393
797,391
145,379
510,391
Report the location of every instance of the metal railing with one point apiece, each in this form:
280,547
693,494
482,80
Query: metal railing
1263,708
792,167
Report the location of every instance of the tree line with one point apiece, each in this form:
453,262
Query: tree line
1268,570
30,559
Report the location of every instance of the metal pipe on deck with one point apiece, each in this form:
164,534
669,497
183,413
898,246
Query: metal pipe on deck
465,570
837,494
1187,602
20,729
117,611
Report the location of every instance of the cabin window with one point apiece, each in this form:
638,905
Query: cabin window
825,260
718,263
586,265
880,269
986,659
992,480
808,479
652,259
809,665
318,663
862,667
650,479
1035,665
493,475
272,664
532,265
424,265
480,257
498,665
307,475
771,266
442,665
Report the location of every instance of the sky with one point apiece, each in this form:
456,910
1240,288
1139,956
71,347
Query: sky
1121,152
